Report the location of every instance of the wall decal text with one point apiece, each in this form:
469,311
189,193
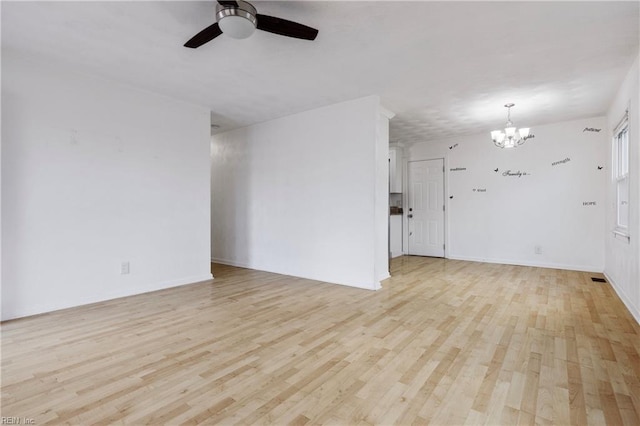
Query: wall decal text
566,160
453,146
588,203
451,197
590,129
479,189
458,169
518,173
496,170
599,167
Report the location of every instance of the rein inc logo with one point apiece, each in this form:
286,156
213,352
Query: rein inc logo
15,420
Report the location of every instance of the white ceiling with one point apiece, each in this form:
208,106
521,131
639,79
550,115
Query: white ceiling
445,68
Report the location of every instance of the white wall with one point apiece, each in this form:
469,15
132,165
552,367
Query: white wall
497,218
94,174
297,195
381,206
622,258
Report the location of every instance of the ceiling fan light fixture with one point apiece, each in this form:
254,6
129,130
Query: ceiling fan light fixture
236,27
239,19
237,22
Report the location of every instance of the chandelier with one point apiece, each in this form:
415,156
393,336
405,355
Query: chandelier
511,136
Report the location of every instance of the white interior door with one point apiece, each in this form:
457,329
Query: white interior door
426,208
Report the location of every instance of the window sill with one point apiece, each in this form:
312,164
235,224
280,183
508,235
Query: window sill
621,235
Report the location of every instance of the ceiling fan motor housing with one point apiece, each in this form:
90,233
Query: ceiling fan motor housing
237,22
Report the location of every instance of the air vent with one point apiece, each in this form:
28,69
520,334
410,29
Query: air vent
598,280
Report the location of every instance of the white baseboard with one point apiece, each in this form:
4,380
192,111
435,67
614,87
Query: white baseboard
183,281
580,268
376,286
379,283
82,301
634,310
230,263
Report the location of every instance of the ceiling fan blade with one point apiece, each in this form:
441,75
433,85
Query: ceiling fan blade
231,3
286,28
204,36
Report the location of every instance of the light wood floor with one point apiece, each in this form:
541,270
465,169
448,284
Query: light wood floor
444,342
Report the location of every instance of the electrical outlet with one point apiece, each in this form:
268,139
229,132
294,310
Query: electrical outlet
124,268
538,249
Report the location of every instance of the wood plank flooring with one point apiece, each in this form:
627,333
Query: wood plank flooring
444,342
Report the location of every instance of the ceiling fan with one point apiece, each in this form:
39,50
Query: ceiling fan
239,19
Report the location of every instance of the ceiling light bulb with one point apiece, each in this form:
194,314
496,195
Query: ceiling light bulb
236,26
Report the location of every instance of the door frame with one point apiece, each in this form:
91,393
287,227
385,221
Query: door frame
405,203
